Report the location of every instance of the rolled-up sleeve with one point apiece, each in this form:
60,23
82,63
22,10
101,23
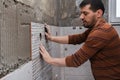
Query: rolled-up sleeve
78,38
89,48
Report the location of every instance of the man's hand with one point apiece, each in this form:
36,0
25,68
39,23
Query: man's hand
48,34
49,59
45,54
57,39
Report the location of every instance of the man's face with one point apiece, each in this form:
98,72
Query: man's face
88,16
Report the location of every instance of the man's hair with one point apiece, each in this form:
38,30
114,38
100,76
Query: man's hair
95,5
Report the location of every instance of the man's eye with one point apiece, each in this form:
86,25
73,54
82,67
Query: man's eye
85,13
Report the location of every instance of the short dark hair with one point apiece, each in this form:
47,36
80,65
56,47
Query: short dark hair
95,5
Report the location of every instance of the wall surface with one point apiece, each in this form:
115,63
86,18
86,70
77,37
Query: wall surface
40,69
23,73
14,35
54,12
83,72
36,68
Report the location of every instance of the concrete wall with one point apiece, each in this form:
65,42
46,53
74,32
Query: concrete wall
54,12
45,10
14,35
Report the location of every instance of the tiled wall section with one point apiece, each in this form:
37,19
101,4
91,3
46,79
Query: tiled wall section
56,52
41,70
83,72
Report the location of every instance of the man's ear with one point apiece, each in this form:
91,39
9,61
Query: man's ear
99,13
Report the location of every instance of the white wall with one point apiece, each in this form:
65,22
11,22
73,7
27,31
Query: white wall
22,73
83,72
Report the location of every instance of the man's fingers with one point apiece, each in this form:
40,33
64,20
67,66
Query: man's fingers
47,27
45,24
42,48
46,34
41,52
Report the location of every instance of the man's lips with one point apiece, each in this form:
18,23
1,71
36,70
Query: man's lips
84,22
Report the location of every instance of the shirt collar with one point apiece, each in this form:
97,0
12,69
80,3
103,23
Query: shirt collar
100,22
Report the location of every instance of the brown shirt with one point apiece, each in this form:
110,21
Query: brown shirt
102,47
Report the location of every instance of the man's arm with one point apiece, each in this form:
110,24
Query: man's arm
57,62
60,39
57,39
70,39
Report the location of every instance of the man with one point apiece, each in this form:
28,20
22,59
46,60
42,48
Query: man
101,44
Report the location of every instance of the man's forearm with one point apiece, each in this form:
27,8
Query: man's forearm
57,62
60,39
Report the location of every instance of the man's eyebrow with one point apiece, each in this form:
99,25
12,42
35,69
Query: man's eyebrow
83,12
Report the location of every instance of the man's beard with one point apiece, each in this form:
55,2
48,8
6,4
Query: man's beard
92,24
88,26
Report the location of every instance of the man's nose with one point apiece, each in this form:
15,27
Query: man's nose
81,16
